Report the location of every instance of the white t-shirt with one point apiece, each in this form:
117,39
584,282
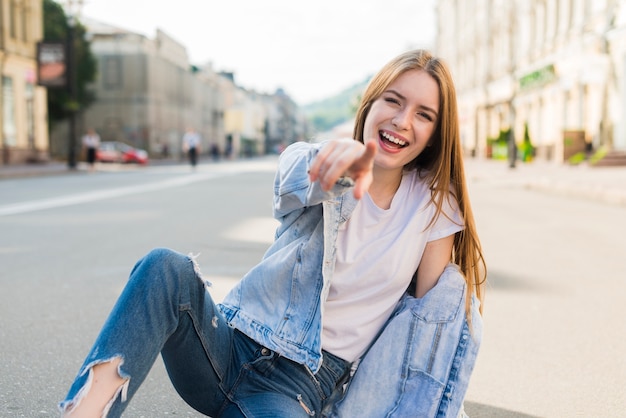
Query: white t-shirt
372,274
191,140
91,140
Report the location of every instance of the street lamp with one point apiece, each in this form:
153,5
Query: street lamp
72,9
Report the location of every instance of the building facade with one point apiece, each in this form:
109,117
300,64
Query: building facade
244,119
549,71
23,104
148,94
285,122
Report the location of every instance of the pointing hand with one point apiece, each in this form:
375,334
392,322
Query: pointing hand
345,157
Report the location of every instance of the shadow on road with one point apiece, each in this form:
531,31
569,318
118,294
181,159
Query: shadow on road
477,410
506,281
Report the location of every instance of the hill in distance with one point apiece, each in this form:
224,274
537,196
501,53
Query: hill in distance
335,110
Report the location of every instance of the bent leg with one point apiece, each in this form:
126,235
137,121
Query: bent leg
164,304
196,369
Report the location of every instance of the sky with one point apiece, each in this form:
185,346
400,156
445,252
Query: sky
311,49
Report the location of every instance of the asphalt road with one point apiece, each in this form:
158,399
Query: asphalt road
554,328
554,333
68,243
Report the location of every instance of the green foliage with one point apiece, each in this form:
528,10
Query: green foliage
56,28
526,149
55,21
498,146
328,113
577,158
598,155
526,134
325,120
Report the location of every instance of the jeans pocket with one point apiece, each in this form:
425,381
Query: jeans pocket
271,381
263,361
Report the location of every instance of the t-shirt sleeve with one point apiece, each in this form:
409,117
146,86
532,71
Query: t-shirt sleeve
449,222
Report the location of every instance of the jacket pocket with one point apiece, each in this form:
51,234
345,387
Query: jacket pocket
418,395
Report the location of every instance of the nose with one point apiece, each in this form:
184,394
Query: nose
401,120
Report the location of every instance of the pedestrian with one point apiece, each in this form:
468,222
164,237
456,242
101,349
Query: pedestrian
191,146
91,142
366,304
165,151
228,152
511,148
215,151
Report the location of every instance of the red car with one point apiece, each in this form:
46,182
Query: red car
119,152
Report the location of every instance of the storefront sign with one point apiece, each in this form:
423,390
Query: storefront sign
52,64
538,78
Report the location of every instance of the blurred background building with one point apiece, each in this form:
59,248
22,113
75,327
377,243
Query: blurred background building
552,71
23,107
548,74
148,93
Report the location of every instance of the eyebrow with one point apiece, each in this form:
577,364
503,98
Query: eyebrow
423,107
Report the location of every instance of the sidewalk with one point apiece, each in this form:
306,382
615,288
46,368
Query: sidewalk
603,184
35,169
60,167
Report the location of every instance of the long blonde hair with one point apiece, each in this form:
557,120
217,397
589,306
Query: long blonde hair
442,160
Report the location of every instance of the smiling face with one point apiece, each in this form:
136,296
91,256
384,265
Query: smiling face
402,119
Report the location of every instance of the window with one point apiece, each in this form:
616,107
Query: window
8,112
12,20
30,115
25,14
112,72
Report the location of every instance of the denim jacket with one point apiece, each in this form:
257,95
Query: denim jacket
278,303
420,364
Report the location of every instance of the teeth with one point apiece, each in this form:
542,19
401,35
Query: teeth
393,139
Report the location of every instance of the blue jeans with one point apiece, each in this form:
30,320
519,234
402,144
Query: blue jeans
216,369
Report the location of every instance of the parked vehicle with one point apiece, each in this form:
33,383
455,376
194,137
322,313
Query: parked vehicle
119,152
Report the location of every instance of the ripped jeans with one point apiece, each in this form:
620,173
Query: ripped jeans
216,369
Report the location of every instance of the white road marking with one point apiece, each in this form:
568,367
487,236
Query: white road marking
218,170
75,199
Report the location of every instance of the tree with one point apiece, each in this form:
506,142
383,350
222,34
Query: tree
56,28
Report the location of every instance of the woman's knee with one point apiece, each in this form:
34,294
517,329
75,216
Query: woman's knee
165,263
163,257
165,270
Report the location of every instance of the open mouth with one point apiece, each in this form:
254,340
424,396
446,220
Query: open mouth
391,141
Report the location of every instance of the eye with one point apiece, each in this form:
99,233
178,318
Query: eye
392,100
425,115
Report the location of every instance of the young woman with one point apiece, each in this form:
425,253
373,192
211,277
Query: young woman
361,273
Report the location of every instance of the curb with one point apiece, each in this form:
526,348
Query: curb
601,184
